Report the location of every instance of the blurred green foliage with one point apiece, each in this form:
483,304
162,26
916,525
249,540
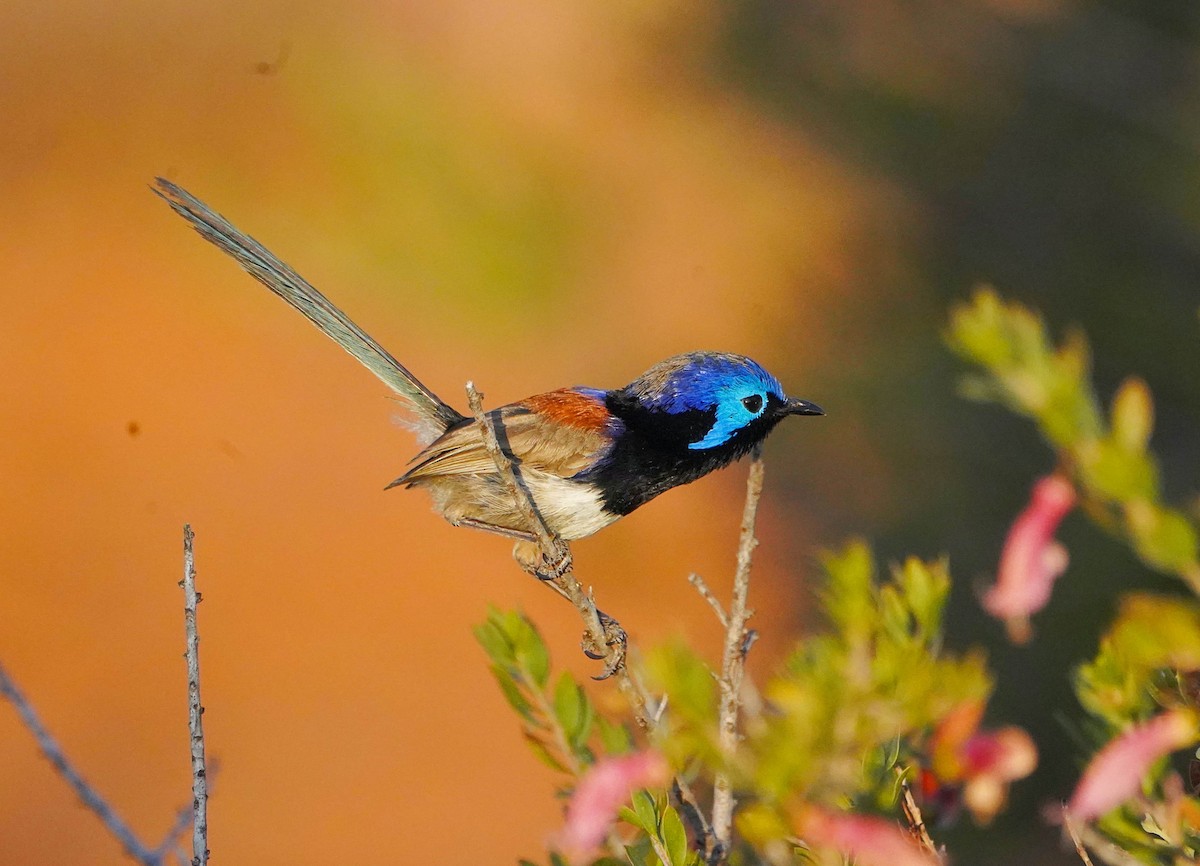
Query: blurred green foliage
851,712
876,700
1117,477
1046,148
558,720
1149,660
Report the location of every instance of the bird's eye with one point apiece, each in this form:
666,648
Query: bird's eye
753,403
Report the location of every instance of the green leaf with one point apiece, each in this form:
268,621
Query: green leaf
543,753
849,598
573,710
677,670
674,837
926,587
975,330
980,389
1109,690
1023,369
614,737
647,812
760,825
1115,473
580,737
629,816
513,694
494,642
1158,632
530,652
894,615
1132,415
1163,537
641,853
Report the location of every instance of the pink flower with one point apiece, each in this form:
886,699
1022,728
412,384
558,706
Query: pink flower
604,788
869,841
1031,559
985,763
1115,773
994,760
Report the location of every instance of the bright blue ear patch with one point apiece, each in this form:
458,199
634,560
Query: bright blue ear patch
736,408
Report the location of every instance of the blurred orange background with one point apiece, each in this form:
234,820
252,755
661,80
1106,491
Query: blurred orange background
528,195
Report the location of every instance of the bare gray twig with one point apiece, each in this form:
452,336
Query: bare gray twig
707,594
184,820
733,666
49,747
1084,836
91,798
191,598
691,812
1069,824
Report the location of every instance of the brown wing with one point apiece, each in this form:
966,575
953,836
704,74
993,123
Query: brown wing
560,433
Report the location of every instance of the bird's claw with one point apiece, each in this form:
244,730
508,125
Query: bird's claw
553,569
551,566
544,565
615,645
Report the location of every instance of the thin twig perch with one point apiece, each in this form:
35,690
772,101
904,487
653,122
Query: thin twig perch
916,821
604,638
1075,840
191,598
1084,836
733,663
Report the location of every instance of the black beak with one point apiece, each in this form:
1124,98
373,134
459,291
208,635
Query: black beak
801,407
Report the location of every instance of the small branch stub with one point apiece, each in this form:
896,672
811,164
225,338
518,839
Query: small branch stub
705,593
191,598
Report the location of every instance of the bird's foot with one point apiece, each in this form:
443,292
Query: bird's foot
614,649
544,565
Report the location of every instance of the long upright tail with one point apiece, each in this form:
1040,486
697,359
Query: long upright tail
265,267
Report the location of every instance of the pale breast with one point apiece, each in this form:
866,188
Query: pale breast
571,509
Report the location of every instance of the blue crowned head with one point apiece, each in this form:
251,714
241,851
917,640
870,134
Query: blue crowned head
683,418
708,398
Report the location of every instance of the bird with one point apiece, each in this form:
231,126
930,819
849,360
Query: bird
587,456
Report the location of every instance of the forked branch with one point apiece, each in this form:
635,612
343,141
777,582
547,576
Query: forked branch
196,815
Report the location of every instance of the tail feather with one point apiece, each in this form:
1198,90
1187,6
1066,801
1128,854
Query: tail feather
265,267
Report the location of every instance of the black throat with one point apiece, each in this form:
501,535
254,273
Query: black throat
652,453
